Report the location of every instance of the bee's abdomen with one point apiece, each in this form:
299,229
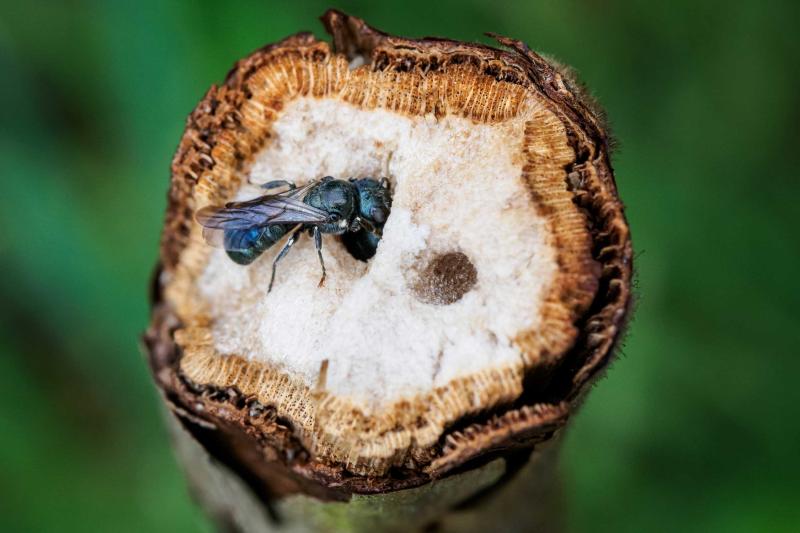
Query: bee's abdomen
244,246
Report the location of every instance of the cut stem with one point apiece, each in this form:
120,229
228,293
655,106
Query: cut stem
414,386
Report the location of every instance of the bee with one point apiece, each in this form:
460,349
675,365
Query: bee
355,209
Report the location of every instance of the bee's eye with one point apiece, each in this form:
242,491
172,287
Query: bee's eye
378,214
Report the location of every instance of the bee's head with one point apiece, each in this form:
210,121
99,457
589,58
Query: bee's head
374,199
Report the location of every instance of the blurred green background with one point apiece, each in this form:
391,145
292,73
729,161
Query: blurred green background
696,427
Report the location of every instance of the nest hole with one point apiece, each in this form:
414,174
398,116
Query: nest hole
445,278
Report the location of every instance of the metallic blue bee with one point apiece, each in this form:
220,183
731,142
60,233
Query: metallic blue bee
356,209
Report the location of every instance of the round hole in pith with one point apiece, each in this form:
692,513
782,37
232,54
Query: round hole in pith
445,278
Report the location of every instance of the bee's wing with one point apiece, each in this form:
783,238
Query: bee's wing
262,211
228,227
215,237
299,192
294,192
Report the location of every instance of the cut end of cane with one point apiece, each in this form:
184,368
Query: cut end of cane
498,288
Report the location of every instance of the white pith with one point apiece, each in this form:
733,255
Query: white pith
456,187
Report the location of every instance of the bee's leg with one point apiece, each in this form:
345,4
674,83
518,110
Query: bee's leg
318,245
283,252
275,184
